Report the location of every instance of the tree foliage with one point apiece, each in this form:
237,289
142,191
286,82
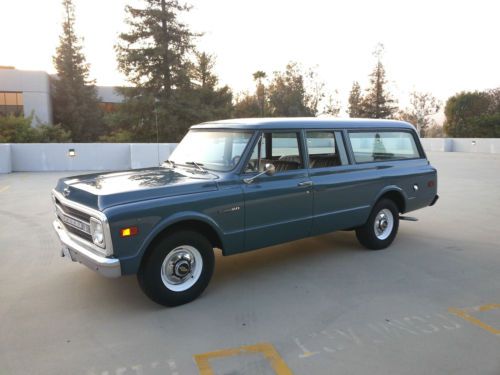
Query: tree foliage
466,111
153,54
17,129
288,95
355,100
174,86
74,95
247,106
293,92
260,91
423,106
207,100
332,106
377,101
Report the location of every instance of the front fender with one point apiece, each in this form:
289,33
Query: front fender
130,265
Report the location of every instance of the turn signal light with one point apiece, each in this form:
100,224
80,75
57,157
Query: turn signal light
128,232
431,183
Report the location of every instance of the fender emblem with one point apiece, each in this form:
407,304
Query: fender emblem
232,209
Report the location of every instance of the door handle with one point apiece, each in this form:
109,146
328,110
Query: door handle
305,183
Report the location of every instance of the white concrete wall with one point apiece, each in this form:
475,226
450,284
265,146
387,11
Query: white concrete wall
143,155
28,157
5,160
437,144
481,145
54,156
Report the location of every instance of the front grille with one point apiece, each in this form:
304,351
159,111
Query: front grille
78,233
72,212
75,222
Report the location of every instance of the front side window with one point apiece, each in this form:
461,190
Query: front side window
214,150
280,149
385,145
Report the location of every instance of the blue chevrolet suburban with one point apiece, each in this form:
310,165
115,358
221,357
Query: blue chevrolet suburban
239,185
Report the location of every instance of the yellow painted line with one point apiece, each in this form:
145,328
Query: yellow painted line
491,306
270,353
464,314
5,188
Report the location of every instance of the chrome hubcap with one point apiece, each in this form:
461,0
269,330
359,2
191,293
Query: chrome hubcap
181,268
384,222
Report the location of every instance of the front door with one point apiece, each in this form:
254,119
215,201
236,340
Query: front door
278,208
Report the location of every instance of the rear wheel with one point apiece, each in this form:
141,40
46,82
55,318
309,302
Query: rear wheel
177,269
381,227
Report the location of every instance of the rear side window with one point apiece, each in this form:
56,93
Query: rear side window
323,149
379,146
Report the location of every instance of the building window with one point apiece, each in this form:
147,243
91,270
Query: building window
109,107
11,103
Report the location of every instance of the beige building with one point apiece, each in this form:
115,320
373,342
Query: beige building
27,92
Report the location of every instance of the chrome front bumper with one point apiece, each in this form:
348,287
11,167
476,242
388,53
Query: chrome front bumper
108,267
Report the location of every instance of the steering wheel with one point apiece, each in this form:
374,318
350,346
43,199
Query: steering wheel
235,160
250,166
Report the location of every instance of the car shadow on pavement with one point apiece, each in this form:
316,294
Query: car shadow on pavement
125,294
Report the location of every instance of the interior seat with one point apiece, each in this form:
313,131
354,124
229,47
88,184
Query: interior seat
324,161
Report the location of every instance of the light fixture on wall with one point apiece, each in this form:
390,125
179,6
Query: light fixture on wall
71,152
473,143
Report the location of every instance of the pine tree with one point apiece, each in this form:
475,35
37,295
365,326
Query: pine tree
206,101
154,55
378,103
332,106
355,101
74,96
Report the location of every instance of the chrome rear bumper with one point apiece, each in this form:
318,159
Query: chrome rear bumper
107,267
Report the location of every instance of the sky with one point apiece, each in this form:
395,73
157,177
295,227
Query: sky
436,46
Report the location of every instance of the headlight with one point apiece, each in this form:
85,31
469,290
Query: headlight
97,231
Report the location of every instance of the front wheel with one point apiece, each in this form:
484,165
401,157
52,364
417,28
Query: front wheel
381,227
177,269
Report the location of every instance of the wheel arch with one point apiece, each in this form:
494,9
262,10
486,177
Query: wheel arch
180,221
394,193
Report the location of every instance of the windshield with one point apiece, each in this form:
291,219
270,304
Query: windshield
213,150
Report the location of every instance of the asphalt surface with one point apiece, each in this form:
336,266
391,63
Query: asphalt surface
430,304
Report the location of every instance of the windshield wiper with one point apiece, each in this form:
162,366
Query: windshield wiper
197,165
171,162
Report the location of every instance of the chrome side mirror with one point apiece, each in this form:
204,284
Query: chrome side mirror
269,170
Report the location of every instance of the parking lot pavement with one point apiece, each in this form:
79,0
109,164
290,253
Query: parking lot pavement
430,304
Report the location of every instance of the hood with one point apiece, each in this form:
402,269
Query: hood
102,190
